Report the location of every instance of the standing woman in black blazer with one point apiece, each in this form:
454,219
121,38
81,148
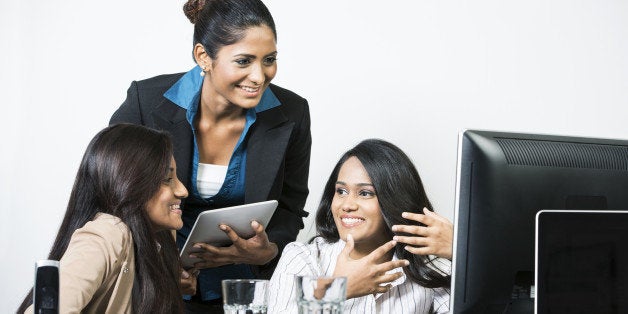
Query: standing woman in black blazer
237,138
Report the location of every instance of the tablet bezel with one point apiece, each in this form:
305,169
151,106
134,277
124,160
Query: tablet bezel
206,227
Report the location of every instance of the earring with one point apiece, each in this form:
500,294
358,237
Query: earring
203,69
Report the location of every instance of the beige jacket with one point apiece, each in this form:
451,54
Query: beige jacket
98,269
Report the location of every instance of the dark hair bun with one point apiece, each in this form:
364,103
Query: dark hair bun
192,8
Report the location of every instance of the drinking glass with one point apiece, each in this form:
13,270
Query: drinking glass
245,296
321,295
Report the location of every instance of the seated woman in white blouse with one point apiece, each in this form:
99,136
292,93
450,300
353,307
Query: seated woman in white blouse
376,227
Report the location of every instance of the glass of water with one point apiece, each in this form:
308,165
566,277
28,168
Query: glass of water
321,295
245,296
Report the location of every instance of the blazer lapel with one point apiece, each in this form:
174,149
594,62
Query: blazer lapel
266,149
171,118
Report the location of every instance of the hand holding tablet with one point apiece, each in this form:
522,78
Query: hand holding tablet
206,229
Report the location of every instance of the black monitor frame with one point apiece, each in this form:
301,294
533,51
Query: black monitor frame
503,180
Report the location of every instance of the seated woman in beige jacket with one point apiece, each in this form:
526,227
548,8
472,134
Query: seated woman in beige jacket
117,230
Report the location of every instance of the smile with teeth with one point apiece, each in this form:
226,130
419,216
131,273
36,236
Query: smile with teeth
176,208
351,221
249,89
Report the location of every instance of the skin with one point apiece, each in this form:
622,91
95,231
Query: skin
234,82
367,255
163,208
164,212
435,238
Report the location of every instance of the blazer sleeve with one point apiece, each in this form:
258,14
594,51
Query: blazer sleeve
129,111
94,254
288,218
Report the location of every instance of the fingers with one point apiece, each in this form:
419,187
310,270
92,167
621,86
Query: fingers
233,236
434,216
415,241
390,265
422,218
382,250
425,250
348,246
411,229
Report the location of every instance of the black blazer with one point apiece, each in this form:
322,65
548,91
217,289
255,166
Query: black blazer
278,151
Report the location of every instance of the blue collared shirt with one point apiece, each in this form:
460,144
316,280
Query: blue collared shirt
186,94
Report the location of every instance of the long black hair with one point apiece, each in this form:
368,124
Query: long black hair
218,23
121,170
399,188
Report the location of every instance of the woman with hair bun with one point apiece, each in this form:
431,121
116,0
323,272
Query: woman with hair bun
237,138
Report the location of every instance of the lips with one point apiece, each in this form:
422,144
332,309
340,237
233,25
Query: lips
252,91
176,208
351,221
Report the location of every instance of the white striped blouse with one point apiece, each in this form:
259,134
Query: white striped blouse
319,259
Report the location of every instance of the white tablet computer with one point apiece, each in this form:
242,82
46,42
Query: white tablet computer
206,228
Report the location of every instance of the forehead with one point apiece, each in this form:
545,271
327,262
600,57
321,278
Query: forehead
353,172
257,40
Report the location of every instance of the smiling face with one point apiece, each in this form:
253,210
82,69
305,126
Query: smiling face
164,208
242,71
355,207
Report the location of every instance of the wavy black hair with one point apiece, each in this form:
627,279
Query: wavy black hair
399,188
121,170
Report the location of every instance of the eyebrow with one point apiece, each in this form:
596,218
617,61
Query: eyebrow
359,184
248,55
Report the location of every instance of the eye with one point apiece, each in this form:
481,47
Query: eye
270,60
366,193
168,181
341,191
243,61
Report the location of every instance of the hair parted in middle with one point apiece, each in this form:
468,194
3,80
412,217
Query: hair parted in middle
218,23
399,189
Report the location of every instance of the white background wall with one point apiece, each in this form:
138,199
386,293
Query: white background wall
412,72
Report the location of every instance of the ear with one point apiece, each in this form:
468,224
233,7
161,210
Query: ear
202,58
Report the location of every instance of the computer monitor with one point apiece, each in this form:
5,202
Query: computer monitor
503,180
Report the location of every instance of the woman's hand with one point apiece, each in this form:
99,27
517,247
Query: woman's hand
188,281
366,275
254,251
435,238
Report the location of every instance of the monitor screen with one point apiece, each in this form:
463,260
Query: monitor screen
581,261
503,180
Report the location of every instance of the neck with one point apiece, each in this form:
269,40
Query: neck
214,107
361,250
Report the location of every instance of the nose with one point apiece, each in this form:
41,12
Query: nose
349,204
257,76
180,191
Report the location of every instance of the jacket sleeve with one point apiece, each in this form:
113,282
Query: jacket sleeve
93,254
129,111
288,217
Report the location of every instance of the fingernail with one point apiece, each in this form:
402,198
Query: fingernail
394,228
406,262
394,242
395,238
197,246
404,215
185,275
254,224
223,227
